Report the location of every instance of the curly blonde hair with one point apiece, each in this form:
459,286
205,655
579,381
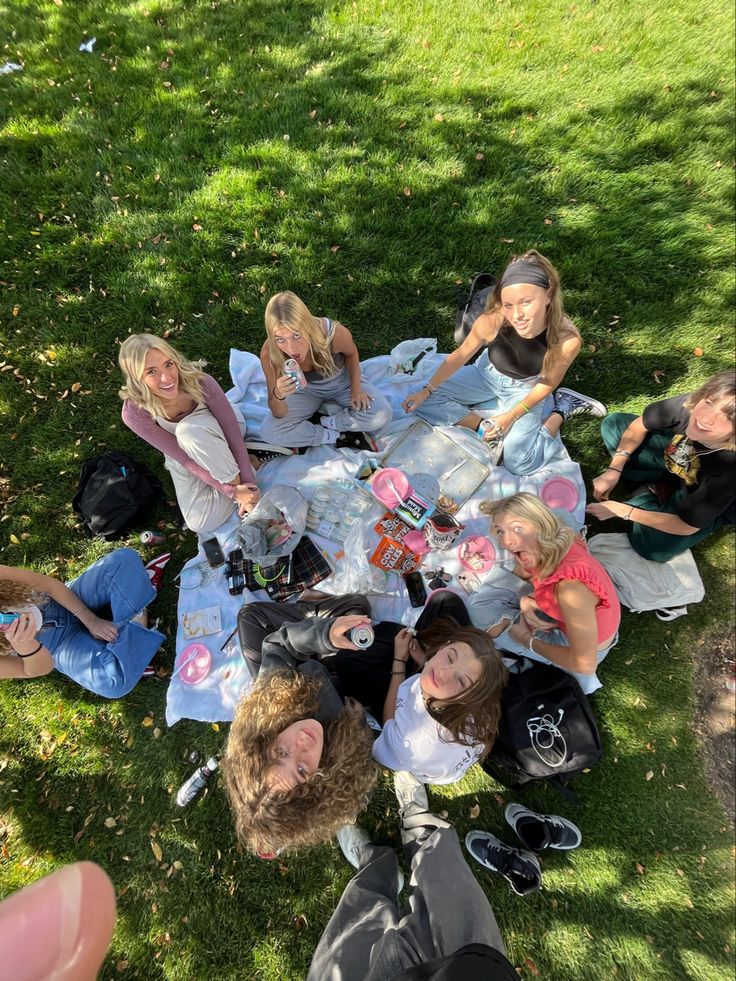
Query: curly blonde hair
132,361
473,716
555,318
286,310
555,538
269,820
14,595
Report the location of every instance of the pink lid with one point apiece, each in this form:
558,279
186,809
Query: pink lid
481,549
390,486
193,664
559,492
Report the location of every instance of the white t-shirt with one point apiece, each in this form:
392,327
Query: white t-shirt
412,741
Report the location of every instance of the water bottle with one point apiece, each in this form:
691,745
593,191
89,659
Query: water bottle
191,787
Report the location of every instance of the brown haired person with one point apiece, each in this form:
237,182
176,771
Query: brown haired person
527,343
683,449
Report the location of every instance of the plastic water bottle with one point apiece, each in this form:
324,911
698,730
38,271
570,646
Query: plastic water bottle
191,787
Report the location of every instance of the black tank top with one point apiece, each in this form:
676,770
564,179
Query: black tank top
516,357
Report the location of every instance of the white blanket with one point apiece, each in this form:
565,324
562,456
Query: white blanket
214,698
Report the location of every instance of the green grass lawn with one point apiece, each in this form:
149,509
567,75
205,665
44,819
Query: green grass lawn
369,156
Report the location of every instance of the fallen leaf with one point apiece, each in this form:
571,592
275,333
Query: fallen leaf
548,221
299,922
76,386
15,540
216,727
438,117
16,309
121,965
639,868
147,722
698,352
658,375
532,967
648,775
597,48
156,849
156,733
197,228
508,241
313,114
474,811
479,156
110,822
407,192
164,65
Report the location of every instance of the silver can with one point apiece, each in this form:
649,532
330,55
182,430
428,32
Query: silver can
362,636
292,369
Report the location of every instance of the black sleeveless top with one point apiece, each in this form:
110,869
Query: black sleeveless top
516,357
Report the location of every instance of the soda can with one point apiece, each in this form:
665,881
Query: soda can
292,369
152,538
362,636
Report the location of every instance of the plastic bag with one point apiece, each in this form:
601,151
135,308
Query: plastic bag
356,574
407,357
273,528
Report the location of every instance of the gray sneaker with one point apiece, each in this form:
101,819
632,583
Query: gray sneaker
409,790
352,839
541,831
519,868
569,404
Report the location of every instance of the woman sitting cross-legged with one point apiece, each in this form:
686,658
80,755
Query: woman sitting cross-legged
172,404
527,343
439,721
298,761
94,630
572,617
683,447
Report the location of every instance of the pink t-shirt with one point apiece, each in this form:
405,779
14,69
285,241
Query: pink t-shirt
144,425
580,566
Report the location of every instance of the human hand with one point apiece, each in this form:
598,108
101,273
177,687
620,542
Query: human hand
247,496
402,642
285,386
521,632
342,626
499,425
60,926
99,628
604,484
417,652
21,634
360,400
607,509
412,402
530,612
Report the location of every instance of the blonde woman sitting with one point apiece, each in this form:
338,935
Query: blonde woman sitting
172,404
571,618
328,359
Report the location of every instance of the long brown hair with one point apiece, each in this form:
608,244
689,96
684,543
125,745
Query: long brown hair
720,389
14,595
473,716
555,319
269,820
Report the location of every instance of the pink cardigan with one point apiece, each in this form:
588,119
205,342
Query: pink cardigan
144,425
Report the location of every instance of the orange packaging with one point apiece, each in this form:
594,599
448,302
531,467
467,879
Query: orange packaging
392,526
391,556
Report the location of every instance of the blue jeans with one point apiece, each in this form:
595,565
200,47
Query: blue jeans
588,682
115,587
529,446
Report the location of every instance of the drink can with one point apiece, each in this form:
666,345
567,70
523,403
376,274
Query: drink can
362,636
152,538
292,369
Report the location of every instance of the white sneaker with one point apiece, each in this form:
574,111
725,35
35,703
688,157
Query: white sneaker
409,790
352,839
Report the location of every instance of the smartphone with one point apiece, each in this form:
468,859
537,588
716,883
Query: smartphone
213,552
235,572
541,615
415,589
7,618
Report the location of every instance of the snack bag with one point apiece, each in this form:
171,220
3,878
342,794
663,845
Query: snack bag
391,556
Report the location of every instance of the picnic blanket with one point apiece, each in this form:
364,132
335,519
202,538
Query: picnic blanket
213,698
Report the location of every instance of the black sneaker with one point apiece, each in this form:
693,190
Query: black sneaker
540,831
265,452
569,404
519,868
355,441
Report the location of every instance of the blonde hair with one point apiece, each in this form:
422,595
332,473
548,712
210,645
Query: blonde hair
555,538
286,310
720,389
269,820
12,596
132,361
555,316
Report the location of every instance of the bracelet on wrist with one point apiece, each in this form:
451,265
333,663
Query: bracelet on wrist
625,453
31,653
398,674
525,407
277,397
430,387
631,509
615,469
530,645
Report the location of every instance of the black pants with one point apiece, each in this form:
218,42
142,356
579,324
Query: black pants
366,674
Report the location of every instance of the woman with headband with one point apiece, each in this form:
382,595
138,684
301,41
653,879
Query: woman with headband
527,344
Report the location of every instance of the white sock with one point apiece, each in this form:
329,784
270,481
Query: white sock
330,437
329,422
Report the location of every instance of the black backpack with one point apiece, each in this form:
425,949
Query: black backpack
472,304
113,493
547,731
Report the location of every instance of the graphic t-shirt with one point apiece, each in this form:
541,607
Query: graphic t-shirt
707,475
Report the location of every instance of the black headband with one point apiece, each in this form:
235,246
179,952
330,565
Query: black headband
522,271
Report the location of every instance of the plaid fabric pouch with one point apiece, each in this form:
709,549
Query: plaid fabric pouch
304,567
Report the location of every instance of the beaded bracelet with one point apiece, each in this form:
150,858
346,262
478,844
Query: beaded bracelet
397,674
430,387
